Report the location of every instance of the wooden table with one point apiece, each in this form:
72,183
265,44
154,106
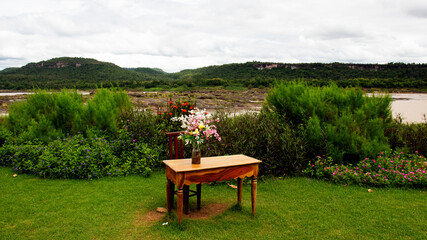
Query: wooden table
182,173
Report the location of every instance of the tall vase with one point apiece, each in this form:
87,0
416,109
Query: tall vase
195,156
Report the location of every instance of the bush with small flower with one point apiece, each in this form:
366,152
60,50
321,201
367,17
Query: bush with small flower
389,168
82,158
174,110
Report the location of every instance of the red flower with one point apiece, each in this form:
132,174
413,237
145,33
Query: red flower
170,102
159,113
183,110
170,113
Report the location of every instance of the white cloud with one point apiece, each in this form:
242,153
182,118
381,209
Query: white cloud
176,34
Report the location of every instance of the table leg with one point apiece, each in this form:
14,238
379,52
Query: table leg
253,194
179,205
186,198
170,188
199,195
239,190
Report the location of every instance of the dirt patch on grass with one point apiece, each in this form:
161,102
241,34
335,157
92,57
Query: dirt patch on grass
206,211
147,218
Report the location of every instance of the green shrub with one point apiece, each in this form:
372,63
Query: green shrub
7,154
409,137
142,126
45,116
5,135
389,168
105,107
79,157
341,123
261,135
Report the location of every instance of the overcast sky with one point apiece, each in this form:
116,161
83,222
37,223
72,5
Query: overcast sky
176,34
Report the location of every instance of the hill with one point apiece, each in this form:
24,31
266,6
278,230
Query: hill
151,71
68,72
86,73
258,74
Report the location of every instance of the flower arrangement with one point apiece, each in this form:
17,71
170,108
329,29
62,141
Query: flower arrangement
198,127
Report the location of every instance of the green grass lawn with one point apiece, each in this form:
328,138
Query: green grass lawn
294,208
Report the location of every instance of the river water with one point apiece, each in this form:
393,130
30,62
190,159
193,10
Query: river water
410,106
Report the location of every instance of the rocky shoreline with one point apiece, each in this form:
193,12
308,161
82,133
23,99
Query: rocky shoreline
211,100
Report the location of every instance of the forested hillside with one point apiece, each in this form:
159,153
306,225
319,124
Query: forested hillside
86,73
255,74
67,72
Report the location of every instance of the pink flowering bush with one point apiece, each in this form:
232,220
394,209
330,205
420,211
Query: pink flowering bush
387,169
198,127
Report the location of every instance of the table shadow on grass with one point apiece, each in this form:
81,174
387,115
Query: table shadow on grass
207,211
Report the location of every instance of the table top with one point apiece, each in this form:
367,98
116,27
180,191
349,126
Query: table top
184,165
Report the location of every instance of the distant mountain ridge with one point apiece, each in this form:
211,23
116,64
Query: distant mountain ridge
87,73
66,72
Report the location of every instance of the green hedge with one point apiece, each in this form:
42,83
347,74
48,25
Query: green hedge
341,123
45,116
389,168
79,157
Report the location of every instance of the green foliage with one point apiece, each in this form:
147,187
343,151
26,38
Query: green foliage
45,115
5,135
84,158
387,169
332,121
104,108
116,140
112,138
408,137
264,136
142,126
